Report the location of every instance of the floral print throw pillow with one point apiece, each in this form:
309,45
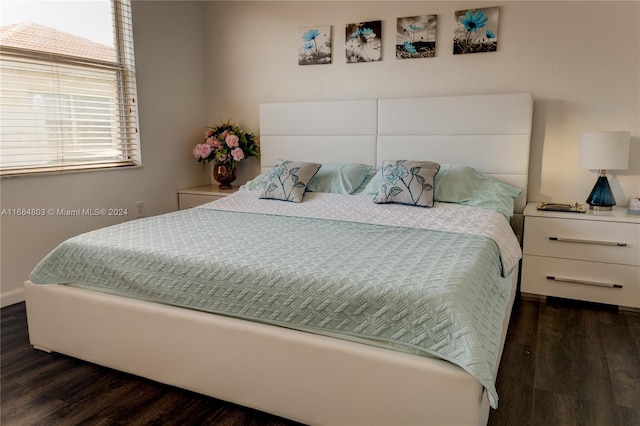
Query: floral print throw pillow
407,182
288,180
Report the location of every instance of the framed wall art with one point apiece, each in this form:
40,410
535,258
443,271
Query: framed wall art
315,45
416,37
476,30
363,42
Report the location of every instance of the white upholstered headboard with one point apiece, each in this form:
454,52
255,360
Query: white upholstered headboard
490,133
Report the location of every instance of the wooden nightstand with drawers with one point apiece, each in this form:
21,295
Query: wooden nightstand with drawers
191,197
586,256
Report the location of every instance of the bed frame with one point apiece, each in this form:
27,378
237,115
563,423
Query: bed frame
305,377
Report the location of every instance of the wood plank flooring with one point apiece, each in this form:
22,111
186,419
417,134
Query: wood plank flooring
564,363
569,363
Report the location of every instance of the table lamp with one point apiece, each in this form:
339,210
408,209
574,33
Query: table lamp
604,151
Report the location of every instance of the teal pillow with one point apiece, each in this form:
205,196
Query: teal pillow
464,185
407,182
257,182
288,180
339,178
371,184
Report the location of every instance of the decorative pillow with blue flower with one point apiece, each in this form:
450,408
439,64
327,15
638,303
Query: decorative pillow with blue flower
288,180
407,182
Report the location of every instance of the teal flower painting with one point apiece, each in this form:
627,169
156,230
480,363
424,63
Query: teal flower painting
416,37
363,42
476,30
315,45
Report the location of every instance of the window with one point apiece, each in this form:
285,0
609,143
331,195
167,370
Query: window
67,90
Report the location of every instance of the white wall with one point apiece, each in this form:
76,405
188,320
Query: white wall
169,50
580,59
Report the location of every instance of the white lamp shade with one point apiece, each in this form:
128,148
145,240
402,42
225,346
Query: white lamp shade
605,150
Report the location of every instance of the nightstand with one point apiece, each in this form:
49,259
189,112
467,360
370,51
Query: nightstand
191,197
586,256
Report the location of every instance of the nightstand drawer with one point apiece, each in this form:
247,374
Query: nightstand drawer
598,241
573,279
186,201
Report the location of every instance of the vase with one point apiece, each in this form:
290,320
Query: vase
224,174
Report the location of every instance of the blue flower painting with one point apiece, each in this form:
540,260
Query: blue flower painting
363,42
315,45
416,37
476,30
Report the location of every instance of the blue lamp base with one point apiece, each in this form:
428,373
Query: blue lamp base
601,197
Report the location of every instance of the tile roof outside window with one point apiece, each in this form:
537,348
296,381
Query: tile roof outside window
33,36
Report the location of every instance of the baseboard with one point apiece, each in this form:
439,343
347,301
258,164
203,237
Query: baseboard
12,297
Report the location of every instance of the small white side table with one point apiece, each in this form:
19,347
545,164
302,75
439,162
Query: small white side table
191,197
586,256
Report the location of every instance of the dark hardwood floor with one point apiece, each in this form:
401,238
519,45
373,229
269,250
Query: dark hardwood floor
569,363
564,363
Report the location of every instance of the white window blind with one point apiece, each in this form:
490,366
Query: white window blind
66,102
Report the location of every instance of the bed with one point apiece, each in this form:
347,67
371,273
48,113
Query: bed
293,370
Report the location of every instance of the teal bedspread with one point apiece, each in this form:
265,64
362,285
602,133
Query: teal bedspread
414,290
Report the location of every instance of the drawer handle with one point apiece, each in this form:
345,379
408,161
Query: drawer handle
574,281
602,243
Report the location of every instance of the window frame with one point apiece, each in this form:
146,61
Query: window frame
125,146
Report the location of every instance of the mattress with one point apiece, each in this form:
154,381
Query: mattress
425,281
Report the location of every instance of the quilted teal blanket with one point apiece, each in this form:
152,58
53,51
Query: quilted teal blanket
415,290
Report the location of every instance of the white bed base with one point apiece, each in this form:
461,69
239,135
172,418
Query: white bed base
304,377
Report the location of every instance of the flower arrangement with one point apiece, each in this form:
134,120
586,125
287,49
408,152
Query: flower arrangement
226,143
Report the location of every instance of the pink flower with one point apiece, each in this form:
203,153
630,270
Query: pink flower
215,143
206,150
237,154
202,150
232,141
227,144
